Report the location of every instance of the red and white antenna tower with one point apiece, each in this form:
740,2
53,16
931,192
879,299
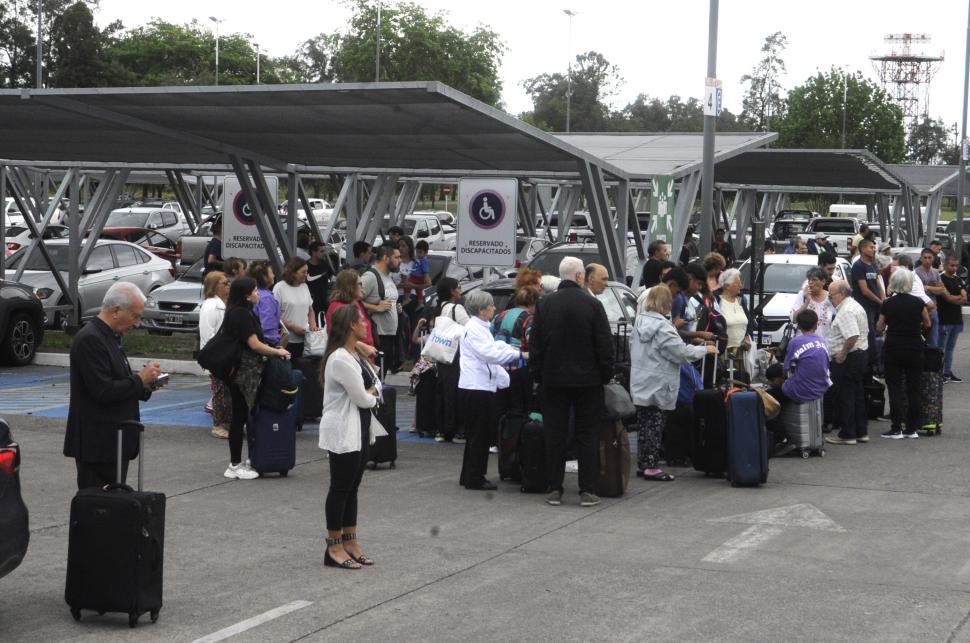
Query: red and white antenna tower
906,74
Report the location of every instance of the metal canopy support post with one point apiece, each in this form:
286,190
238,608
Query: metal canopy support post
3,216
305,204
286,243
621,220
882,212
744,206
634,226
599,209
292,196
871,211
908,210
113,185
406,200
259,217
74,248
353,215
933,203
567,209
527,216
372,215
346,191
184,197
552,208
682,210
896,214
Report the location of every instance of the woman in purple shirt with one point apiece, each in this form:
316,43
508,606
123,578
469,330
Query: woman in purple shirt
267,309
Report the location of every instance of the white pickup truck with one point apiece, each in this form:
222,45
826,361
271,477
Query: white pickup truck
839,230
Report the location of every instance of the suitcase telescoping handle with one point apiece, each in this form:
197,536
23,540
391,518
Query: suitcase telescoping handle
138,426
713,372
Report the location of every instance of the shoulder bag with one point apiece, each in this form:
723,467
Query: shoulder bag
221,355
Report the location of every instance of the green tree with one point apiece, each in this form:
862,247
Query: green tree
77,50
594,81
415,45
763,100
647,114
17,52
815,111
928,142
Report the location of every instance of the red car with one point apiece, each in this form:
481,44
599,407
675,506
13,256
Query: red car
154,242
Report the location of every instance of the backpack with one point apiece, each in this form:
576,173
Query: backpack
221,356
277,391
506,328
711,320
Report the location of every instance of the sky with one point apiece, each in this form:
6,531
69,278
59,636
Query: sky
659,46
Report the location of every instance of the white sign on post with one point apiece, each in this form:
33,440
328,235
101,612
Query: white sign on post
240,236
712,97
486,222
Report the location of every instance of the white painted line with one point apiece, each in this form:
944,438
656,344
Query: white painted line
742,544
255,621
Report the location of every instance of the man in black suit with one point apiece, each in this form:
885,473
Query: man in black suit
104,391
571,356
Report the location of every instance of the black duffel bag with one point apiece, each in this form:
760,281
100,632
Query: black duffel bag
221,356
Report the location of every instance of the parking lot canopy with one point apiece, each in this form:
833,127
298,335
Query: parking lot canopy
825,171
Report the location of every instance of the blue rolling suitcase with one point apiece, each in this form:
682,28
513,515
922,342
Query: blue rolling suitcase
747,440
272,436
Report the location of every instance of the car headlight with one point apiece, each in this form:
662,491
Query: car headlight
43,293
151,303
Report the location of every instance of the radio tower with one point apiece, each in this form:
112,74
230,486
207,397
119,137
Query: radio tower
906,75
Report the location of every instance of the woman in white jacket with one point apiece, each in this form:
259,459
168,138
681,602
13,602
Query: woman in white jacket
347,429
482,359
656,354
215,291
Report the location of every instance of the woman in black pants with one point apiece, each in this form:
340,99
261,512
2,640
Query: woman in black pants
241,324
347,429
449,422
903,317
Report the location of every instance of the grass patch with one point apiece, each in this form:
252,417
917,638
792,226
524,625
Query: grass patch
137,343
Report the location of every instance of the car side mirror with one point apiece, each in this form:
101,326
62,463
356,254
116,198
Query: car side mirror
92,271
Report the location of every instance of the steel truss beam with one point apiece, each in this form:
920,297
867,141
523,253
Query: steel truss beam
682,209
612,251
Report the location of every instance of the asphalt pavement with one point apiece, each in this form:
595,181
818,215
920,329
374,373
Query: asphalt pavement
871,542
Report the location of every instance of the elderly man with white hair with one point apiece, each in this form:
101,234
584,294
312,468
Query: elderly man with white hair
104,390
571,351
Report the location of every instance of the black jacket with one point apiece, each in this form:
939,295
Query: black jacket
571,344
104,392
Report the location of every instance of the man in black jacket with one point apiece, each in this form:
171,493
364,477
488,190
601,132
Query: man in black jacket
571,357
104,391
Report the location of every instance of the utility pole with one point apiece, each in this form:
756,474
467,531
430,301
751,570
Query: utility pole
710,125
962,179
40,44
845,103
377,38
569,71
218,22
256,44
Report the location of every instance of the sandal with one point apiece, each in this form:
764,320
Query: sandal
362,559
663,476
328,560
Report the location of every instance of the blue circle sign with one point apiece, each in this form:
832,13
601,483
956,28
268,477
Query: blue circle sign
241,210
486,209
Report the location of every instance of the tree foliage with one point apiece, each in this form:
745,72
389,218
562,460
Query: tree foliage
594,81
929,142
763,100
647,114
77,49
814,116
415,45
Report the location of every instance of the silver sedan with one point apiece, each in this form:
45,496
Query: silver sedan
175,307
110,262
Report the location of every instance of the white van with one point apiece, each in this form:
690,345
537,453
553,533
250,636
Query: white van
848,210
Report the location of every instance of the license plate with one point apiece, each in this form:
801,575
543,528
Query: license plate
766,340
173,319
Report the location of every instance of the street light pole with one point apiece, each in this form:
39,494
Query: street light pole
569,71
377,54
256,45
218,22
40,43
710,125
845,103
962,179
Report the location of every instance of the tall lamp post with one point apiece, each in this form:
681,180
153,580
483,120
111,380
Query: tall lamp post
40,44
377,53
845,102
962,179
218,22
256,45
569,60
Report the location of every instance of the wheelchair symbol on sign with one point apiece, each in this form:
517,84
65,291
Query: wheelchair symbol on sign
486,213
486,209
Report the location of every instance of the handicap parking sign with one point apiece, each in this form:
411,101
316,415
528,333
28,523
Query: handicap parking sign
487,209
241,210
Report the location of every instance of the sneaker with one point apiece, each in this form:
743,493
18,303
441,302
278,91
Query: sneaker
240,472
493,449
587,499
208,407
220,432
459,438
953,378
439,437
911,435
863,439
893,435
554,498
834,439
572,466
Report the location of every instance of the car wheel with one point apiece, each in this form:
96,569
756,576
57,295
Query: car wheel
20,344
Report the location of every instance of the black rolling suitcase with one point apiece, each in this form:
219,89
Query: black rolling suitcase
311,391
115,547
532,456
875,393
384,448
426,404
510,433
612,459
708,444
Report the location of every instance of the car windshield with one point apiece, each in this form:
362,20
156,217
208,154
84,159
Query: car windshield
59,255
195,272
784,277
124,218
548,262
14,231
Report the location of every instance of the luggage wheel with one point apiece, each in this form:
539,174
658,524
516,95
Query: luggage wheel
154,616
132,620
76,613
393,464
805,454
821,453
283,474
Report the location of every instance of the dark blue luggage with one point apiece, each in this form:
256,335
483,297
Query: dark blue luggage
272,436
708,448
747,440
532,455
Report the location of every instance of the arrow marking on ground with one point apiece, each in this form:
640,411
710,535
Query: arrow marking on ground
765,525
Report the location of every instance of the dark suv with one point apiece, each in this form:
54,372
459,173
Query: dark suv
14,527
21,323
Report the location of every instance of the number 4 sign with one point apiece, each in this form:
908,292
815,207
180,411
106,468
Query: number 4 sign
712,97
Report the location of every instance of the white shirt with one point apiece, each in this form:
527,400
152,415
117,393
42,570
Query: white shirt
850,321
824,310
343,395
482,358
295,304
918,289
737,321
456,312
210,319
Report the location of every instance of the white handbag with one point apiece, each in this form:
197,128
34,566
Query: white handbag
315,341
443,342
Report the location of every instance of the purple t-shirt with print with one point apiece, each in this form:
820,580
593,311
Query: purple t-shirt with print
811,378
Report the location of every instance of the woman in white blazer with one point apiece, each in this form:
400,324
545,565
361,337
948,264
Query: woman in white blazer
482,359
215,290
347,429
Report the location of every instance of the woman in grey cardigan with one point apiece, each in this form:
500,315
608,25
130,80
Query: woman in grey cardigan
656,352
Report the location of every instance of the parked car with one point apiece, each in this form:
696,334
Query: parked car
547,260
839,230
192,245
802,215
784,279
175,306
109,262
158,203
581,228
19,236
951,233
166,221
21,323
528,247
154,242
784,229
426,227
445,217
14,521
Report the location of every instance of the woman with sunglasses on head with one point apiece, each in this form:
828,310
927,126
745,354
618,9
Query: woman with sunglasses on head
211,314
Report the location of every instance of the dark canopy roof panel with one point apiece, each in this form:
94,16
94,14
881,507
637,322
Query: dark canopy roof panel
645,155
419,127
927,178
846,171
